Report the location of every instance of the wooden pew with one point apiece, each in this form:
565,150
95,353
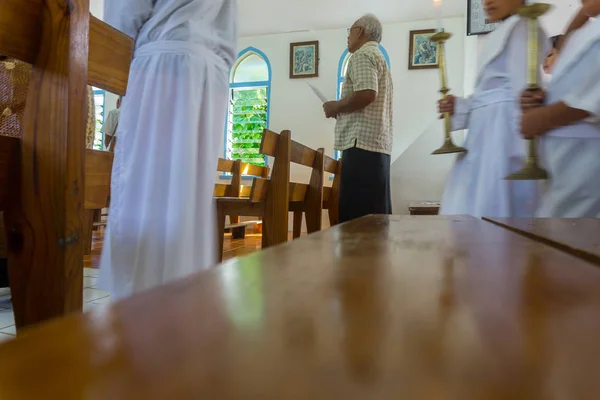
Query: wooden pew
577,236
331,196
97,169
44,211
383,307
268,197
236,169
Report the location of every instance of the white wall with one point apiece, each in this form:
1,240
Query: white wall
295,107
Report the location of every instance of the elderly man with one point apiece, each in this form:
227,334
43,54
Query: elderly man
110,127
364,124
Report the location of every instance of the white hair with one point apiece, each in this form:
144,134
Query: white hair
372,26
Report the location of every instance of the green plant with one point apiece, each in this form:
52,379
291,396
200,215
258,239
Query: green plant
248,120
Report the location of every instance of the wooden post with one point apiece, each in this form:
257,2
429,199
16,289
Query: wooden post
314,197
234,188
275,226
45,223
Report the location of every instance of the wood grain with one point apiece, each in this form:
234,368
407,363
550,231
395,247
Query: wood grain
110,51
110,55
10,149
98,169
580,236
392,307
20,28
45,224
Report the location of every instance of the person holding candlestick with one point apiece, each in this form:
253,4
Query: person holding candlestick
569,122
476,184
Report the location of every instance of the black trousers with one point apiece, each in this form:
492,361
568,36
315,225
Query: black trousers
364,184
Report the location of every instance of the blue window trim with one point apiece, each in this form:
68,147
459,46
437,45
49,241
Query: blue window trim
233,85
342,77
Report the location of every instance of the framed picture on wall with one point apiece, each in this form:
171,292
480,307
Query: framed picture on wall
477,21
422,52
304,60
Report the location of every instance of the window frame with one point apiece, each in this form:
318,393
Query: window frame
243,85
341,76
100,92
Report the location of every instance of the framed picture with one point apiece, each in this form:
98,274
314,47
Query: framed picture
423,53
304,60
477,21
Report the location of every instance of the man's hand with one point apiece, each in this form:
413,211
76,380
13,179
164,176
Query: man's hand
331,109
533,123
446,106
532,99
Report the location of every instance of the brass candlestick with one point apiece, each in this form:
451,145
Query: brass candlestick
532,171
448,147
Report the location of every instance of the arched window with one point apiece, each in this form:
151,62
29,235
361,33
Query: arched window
343,68
248,111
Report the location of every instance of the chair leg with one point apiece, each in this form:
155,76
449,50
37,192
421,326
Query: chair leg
220,229
297,224
88,227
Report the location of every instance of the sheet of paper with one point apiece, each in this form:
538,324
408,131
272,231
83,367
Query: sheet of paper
319,94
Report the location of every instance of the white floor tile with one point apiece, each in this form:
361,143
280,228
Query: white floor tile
90,272
6,302
104,300
5,338
89,282
6,318
93,294
4,292
11,330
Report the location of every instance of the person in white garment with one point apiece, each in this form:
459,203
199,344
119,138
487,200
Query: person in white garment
109,128
569,123
476,184
162,223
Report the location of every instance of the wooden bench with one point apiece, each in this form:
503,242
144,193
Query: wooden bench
577,236
383,307
424,208
331,195
44,207
272,199
236,169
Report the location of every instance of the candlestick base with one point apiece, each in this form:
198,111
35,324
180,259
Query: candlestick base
535,10
448,148
440,37
531,172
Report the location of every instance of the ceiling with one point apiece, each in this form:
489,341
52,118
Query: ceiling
260,17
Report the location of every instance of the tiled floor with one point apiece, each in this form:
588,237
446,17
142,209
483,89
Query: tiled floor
92,298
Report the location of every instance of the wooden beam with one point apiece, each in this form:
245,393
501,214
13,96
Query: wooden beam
20,28
98,168
45,244
110,51
9,167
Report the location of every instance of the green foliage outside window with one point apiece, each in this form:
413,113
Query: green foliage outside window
248,120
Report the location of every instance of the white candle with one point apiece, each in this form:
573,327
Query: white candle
437,4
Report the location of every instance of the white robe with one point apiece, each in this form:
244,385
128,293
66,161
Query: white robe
476,184
572,153
161,221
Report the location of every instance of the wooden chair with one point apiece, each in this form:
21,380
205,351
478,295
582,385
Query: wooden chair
273,199
44,205
98,169
237,169
331,196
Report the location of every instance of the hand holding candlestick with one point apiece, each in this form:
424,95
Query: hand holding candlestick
532,171
448,147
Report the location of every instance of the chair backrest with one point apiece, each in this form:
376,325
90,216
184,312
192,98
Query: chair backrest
98,168
69,49
236,170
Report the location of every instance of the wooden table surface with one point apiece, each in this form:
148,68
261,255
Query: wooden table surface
578,236
379,308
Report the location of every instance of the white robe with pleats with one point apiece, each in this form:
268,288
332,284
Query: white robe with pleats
161,222
572,153
476,184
